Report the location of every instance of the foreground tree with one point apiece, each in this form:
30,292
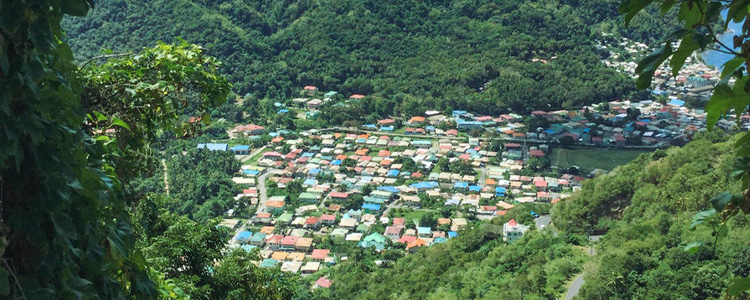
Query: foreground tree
67,137
699,18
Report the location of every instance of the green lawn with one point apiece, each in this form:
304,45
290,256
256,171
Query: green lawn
593,158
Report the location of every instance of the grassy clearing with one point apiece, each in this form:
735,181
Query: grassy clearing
593,158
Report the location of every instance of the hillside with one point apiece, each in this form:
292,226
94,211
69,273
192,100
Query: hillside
643,208
475,55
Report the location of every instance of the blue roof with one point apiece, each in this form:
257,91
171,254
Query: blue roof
500,191
314,171
430,128
370,206
471,151
424,184
424,230
336,162
250,172
439,240
676,102
309,181
244,235
461,185
452,234
308,154
369,126
392,173
248,248
388,188
386,128
282,111
241,148
475,188
214,147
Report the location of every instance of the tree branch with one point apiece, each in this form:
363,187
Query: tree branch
105,56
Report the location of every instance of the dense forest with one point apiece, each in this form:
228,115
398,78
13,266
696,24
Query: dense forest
648,250
408,55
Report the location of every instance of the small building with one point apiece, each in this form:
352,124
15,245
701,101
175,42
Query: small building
513,231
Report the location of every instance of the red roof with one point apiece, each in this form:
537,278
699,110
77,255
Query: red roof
310,88
320,253
289,240
356,96
312,220
399,221
406,239
323,282
272,153
338,195
328,217
536,153
512,222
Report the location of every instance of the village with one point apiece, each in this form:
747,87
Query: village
416,182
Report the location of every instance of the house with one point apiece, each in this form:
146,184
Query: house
274,242
462,124
262,218
312,222
310,267
288,243
274,206
393,232
328,219
243,237
513,231
322,282
319,254
259,240
250,129
424,232
241,150
214,147
371,208
416,121
338,197
414,246
303,244
272,155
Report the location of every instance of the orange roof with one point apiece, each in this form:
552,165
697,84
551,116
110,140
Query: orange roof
277,204
416,119
267,229
277,139
361,152
385,162
416,243
490,181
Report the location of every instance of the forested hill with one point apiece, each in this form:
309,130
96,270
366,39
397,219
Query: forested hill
447,54
644,209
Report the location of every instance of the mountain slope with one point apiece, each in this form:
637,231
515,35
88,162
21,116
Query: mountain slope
642,254
451,54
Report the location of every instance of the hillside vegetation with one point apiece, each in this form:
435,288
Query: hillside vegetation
644,209
411,54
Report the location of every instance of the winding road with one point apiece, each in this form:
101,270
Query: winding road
575,287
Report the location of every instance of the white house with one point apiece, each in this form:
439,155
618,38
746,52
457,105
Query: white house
513,231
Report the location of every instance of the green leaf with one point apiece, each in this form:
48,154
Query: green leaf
4,282
687,47
119,122
731,66
721,200
648,65
632,8
722,100
690,13
739,285
693,247
666,6
700,217
206,119
78,8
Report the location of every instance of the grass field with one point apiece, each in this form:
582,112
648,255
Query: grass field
593,158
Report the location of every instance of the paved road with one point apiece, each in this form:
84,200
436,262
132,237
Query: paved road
542,221
262,192
575,287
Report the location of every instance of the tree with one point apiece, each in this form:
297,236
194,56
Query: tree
699,19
